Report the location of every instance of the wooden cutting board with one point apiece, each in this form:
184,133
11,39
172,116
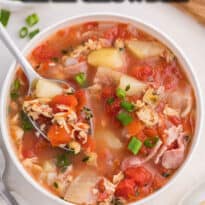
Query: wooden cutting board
194,7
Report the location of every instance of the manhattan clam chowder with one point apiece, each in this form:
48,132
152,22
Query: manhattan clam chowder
134,91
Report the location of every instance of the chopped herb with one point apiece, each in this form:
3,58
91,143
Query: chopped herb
15,89
80,78
116,201
127,88
23,32
64,51
85,159
120,93
32,19
164,174
55,59
110,100
127,106
151,142
33,33
4,16
25,122
62,161
134,145
55,184
88,113
124,118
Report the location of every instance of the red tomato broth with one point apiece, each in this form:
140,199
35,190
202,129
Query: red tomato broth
138,181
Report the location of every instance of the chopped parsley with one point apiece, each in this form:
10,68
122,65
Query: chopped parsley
25,122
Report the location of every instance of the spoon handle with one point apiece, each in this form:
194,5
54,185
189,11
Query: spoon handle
30,73
6,196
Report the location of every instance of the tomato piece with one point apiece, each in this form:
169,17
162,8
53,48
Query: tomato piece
90,26
108,92
44,53
125,189
69,100
58,135
139,175
81,97
142,72
123,31
113,108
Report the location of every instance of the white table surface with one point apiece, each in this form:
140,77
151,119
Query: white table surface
189,35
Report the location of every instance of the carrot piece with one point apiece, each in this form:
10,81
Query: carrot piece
69,100
58,135
134,128
150,132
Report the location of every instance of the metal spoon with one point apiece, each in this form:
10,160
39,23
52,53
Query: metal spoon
31,75
4,193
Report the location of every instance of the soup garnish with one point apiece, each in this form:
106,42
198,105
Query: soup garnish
135,91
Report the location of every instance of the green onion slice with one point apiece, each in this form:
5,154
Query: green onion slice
32,19
33,33
124,118
62,161
25,122
110,100
120,93
4,16
23,32
151,142
80,78
127,106
134,145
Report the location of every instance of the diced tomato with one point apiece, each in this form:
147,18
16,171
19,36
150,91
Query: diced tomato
125,189
69,100
134,128
41,145
44,53
123,32
81,97
113,108
175,120
58,135
140,175
150,132
108,92
28,153
142,72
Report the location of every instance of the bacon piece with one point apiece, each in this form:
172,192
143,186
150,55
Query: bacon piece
137,161
172,159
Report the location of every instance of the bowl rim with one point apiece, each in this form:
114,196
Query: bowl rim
143,25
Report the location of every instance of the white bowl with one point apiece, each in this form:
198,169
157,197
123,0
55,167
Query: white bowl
101,17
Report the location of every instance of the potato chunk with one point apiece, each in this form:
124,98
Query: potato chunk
106,57
145,49
47,89
136,86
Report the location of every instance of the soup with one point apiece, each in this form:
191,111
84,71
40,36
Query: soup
119,129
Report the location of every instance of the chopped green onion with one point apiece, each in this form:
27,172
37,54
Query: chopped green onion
55,184
110,100
124,118
88,113
33,33
62,161
127,88
134,145
23,32
32,19
4,16
80,78
164,174
25,122
120,93
85,159
127,106
151,142
15,89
